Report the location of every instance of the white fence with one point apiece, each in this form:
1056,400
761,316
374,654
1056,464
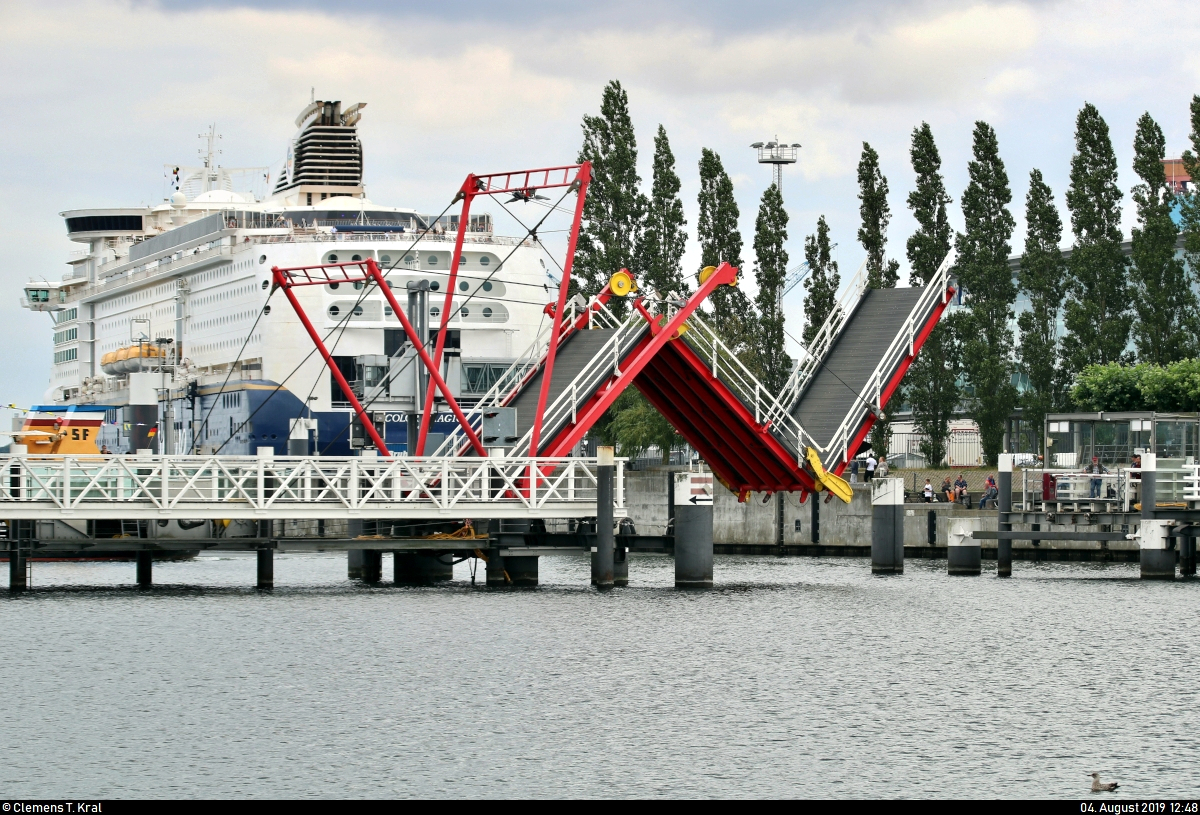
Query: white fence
249,487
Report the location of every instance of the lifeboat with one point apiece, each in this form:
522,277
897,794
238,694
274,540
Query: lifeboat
130,360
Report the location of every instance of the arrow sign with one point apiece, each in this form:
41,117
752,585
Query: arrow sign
695,489
701,499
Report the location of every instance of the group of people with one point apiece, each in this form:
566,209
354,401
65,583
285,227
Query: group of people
871,466
959,492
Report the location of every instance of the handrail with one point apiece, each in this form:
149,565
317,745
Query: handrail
818,349
904,344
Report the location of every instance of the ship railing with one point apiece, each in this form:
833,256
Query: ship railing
265,486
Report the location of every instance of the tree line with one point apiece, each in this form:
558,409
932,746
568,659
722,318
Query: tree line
971,361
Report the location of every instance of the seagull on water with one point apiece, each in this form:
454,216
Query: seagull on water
1100,786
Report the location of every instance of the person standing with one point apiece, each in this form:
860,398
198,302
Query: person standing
927,492
1095,469
882,469
871,464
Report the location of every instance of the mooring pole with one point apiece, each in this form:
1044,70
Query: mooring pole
266,568
1003,507
16,560
887,525
1157,561
602,558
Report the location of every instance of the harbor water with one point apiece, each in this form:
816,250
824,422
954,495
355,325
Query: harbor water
794,677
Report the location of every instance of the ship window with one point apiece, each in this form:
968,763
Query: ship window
263,259
435,311
357,257
358,311
408,259
387,311
463,286
485,260
266,310
265,284
434,285
462,261
333,286
433,260
386,258
487,285
358,285
464,311
333,258
487,312
334,311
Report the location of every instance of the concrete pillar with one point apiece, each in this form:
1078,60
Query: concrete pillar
620,566
145,568
1158,562
1004,505
693,530
354,564
602,557
887,525
1187,556
496,574
421,568
372,565
522,570
964,554
16,561
266,568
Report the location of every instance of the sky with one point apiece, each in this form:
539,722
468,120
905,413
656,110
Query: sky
100,95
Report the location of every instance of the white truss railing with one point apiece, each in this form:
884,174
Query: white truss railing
249,487
904,344
818,349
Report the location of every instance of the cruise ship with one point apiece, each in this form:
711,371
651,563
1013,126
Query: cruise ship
166,316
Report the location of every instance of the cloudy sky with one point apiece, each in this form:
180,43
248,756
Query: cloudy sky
99,95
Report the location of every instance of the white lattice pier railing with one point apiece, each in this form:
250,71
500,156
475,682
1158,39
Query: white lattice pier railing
321,488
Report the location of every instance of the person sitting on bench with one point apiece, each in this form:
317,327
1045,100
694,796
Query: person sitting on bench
948,490
990,492
960,490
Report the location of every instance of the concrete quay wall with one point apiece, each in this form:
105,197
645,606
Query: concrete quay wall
750,527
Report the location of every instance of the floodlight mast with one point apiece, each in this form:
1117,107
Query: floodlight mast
777,154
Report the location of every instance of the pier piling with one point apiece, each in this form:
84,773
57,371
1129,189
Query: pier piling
1004,475
16,564
693,531
1187,556
266,568
964,554
1157,556
145,568
522,571
602,558
887,525
421,568
372,565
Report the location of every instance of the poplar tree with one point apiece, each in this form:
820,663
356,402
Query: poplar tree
876,214
1041,277
770,269
982,268
721,242
614,209
665,235
822,281
1190,201
931,386
1167,322
1097,310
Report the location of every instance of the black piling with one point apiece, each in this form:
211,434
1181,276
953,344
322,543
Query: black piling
372,565
602,558
266,568
887,525
1003,507
145,568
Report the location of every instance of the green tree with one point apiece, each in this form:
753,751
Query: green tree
721,242
931,386
1041,278
1190,201
1167,322
770,269
1096,313
982,268
637,426
876,214
822,281
665,236
614,210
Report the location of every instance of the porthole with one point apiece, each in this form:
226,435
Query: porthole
262,259
266,284
485,260
358,311
487,285
435,311
333,286
356,258
434,285
408,258
433,260
387,311
462,261
358,284
385,258
266,310
487,312
333,258
334,311
463,286
464,311
273,437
